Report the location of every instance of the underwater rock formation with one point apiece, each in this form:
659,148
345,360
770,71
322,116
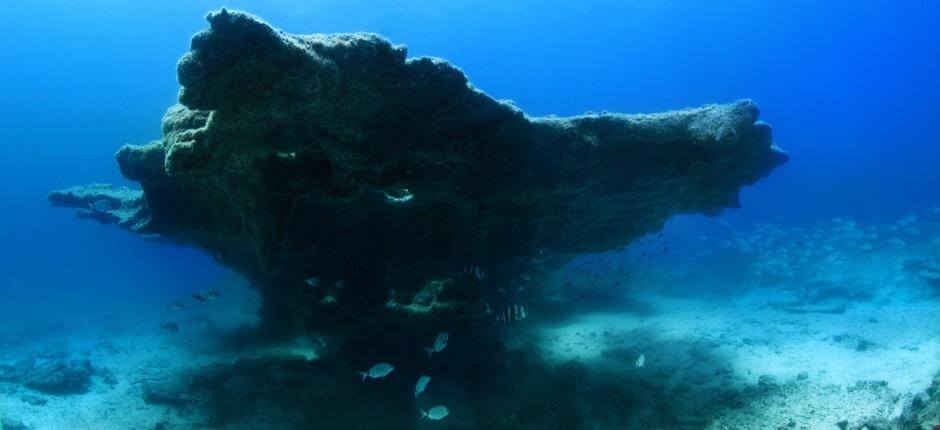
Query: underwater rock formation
51,377
920,412
403,189
7,423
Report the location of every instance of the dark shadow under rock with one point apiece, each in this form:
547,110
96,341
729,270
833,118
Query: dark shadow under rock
483,384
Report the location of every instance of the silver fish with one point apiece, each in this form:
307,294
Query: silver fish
436,413
313,281
513,313
213,295
378,371
641,360
439,344
422,385
101,205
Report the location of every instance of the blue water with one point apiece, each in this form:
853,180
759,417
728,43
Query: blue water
850,87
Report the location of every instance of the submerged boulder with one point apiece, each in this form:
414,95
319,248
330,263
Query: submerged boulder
59,376
403,189
7,423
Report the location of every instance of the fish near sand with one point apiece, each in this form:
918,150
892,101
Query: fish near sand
422,385
175,305
199,297
378,371
439,344
436,413
213,296
169,328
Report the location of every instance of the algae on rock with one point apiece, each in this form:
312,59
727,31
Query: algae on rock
336,156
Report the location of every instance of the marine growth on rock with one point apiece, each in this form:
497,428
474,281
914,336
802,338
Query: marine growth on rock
335,156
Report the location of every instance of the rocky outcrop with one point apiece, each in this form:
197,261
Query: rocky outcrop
920,412
59,377
7,423
106,203
55,376
394,180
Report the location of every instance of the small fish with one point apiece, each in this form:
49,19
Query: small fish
513,313
101,205
199,297
213,296
313,281
422,385
378,371
175,305
169,328
436,413
439,344
641,361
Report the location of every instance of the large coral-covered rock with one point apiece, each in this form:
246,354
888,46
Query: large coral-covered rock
334,156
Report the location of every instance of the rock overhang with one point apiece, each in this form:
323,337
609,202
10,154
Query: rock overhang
283,153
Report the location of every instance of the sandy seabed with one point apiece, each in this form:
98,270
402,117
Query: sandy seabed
790,339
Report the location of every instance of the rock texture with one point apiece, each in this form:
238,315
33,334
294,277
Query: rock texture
12,424
388,178
59,377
